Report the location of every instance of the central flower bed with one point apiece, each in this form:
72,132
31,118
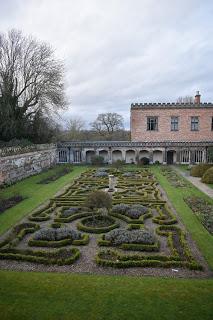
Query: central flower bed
97,224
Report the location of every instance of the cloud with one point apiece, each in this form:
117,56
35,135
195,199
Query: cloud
121,51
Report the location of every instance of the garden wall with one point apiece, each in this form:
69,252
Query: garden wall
22,165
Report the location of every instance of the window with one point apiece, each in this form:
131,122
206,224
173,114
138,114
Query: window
194,123
152,123
212,123
174,123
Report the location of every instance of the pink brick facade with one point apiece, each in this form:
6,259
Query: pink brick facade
140,113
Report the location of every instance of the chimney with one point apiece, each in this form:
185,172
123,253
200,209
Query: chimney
197,97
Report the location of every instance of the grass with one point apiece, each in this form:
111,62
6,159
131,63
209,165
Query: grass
34,193
176,195
91,297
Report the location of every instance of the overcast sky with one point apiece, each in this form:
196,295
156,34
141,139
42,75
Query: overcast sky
121,51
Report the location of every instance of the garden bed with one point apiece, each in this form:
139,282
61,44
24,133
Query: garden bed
10,202
138,208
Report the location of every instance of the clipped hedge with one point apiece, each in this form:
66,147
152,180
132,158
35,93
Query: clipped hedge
82,227
18,233
58,257
208,176
59,243
146,261
200,169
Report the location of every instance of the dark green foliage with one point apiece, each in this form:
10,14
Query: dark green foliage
97,224
59,256
208,176
9,202
98,199
203,210
61,171
97,160
200,169
118,164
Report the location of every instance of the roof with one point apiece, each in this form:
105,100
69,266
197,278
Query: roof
169,105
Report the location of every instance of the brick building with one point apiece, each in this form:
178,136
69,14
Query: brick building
164,132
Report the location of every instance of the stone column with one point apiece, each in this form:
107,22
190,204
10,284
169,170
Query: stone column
123,155
110,155
136,156
205,156
178,156
83,155
192,156
165,156
151,156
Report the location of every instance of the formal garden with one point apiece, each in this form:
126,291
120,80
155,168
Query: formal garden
146,241
86,227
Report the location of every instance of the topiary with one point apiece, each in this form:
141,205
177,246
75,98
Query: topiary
208,176
98,199
200,169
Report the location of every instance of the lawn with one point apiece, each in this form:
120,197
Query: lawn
78,297
176,195
35,194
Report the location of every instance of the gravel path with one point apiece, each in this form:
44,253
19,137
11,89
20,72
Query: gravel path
196,182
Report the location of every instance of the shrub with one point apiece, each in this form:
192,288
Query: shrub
200,169
121,236
120,208
129,174
98,199
69,212
208,176
10,202
101,174
118,163
52,234
144,161
97,160
136,211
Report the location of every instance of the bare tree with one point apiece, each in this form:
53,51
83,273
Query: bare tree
75,127
186,99
31,80
107,124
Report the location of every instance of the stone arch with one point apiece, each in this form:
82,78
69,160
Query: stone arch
130,156
158,156
116,155
89,155
104,153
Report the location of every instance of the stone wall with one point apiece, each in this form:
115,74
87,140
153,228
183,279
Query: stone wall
17,167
